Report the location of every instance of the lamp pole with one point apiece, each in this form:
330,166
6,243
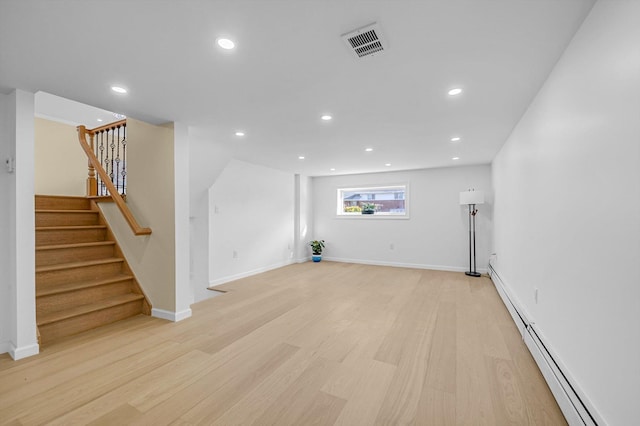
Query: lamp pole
472,233
471,198
470,209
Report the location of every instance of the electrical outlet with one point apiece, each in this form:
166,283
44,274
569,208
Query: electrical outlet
216,210
235,254
392,246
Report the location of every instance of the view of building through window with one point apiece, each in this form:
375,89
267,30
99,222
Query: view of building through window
388,200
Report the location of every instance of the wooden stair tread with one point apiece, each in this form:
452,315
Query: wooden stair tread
71,312
74,245
69,227
80,285
71,265
55,202
76,211
77,197
101,198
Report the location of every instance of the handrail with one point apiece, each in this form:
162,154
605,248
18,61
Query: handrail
113,192
113,125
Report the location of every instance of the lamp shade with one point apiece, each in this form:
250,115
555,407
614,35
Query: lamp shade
472,197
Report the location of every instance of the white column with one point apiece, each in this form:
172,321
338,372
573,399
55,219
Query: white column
23,336
184,293
5,249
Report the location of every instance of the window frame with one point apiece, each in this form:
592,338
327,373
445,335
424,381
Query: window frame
340,214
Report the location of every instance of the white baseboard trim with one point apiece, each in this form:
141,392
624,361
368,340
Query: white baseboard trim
520,317
303,259
23,351
171,316
229,278
402,265
576,407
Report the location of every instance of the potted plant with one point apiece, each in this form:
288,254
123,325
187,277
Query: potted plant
368,208
316,249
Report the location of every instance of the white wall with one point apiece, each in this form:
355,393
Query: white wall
207,160
434,237
4,224
303,217
567,210
252,214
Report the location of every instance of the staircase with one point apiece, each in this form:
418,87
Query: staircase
82,278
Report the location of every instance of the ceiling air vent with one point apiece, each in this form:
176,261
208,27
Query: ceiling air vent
365,41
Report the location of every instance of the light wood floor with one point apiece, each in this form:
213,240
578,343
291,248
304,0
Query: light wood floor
325,343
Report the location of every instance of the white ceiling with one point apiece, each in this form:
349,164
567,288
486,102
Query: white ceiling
64,110
291,66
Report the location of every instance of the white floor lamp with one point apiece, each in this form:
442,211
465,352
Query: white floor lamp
471,198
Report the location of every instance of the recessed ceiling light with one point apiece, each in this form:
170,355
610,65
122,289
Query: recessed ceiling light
225,43
455,139
301,157
455,158
239,133
388,164
326,117
332,169
119,89
119,116
100,120
369,149
455,91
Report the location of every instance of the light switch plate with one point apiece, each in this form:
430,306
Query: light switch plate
10,164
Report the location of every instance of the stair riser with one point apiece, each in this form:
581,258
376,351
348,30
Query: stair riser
66,219
73,254
69,236
52,278
70,299
67,327
61,203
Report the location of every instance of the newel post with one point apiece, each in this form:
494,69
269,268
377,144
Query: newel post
92,183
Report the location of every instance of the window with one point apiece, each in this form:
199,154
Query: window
377,201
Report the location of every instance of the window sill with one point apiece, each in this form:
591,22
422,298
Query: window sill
372,217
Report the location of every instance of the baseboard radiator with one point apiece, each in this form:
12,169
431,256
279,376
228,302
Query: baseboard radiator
573,403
